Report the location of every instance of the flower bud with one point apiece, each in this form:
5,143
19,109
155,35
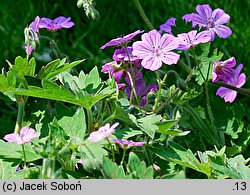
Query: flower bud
88,6
181,84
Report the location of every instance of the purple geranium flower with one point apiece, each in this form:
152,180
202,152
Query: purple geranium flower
127,143
26,135
35,24
213,20
115,71
191,38
223,70
56,24
237,80
123,39
167,26
103,132
33,35
155,49
140,89
121,55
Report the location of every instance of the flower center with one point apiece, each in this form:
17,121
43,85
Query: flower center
156,52
219,68
211,24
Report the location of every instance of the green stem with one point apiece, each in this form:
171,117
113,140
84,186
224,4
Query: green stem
48,169
112,150
20,114
187,68
201,124
160,84
54,44
174,94
110,118
123,155
132,78
90,119
197,65
133,91
210,113
143,15
239,90
24,157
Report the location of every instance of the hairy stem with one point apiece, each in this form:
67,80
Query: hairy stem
24,157
174,94
197,65
89,119
239,90
52,42
20,114
143,15
160,84
210,113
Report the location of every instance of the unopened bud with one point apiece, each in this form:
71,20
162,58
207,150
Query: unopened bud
181,84
88,6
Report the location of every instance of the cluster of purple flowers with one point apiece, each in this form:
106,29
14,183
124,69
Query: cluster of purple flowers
51,25
224,72
127,64
158,47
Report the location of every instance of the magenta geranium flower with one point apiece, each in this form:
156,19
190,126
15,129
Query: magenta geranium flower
213,20
237,80
103,132
33,36
155,49
127,143
141,90
35,24
121,54
166,27
192,38
56,24
115,71
120,40
26,135
223,70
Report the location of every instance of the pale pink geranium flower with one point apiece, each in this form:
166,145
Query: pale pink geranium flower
56,24
127,143
223,70
26,135
237,80
155,49
103,132
192,38
213,20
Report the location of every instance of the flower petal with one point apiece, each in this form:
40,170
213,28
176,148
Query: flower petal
151,63
223,31
204,11
170,58
13,137
151,39
228,94
220,17
95,136
169,42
